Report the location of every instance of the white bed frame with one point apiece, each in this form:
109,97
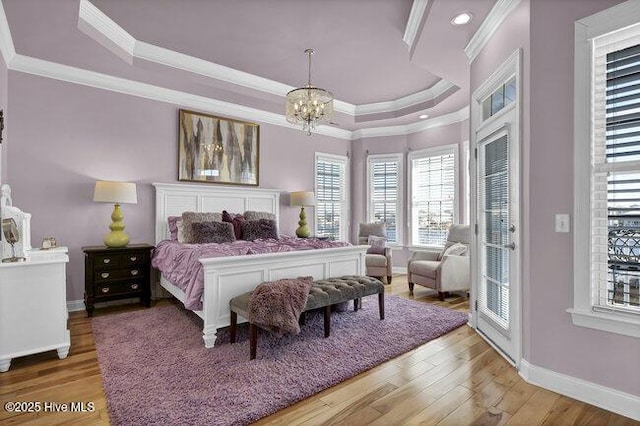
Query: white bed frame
227,277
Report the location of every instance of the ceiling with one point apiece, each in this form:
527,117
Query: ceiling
361,56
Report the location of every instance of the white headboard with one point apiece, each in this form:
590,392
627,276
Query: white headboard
172,199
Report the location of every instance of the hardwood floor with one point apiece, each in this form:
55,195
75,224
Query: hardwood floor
456,379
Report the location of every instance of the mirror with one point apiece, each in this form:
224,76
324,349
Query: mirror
11,236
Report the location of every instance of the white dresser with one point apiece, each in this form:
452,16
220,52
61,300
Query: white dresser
33,306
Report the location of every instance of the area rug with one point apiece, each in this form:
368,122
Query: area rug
156,370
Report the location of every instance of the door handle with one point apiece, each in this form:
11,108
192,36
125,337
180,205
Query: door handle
511,246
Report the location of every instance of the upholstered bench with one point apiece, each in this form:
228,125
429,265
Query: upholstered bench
323,294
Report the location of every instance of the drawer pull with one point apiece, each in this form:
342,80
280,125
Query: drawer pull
135,272
134,286
133,258
104,275
105,289
106,260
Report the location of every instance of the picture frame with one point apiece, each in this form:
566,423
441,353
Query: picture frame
215,149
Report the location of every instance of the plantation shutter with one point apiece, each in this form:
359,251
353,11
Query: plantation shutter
384,187
433,180
615,191
331,198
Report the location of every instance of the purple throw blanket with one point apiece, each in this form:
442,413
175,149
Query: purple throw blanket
180,263
276,306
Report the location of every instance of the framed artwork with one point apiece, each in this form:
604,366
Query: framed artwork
217,150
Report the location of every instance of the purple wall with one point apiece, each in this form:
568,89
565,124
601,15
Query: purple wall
550,340
588,354
4,96
66,136
452,134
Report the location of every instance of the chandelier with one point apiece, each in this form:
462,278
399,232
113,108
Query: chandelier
309,106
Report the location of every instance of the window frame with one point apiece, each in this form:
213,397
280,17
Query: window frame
584,312
384,158
432,152
345,210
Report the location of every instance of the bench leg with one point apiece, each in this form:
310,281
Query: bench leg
253,340
381,305
356,304
303,318
234,327
327,321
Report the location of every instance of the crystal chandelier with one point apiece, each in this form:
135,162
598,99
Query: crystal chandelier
309,105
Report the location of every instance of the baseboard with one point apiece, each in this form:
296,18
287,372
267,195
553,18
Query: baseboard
399,269
601,396
75,305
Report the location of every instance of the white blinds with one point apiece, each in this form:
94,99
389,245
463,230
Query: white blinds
615,190
331,196
384,193
433,197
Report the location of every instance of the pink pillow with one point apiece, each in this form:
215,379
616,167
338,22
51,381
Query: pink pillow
173,226
236,220
378,245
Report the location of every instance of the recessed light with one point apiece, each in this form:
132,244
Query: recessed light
423,116
462,19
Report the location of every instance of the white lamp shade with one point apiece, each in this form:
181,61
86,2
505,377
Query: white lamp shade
115,192
303,198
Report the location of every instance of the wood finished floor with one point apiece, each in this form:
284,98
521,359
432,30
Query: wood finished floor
456,379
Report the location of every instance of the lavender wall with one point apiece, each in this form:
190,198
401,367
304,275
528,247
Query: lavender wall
3,105
452,134
588,354
550,339
65,136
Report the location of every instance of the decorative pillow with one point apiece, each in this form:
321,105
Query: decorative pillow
456,249
379,229
253,215
189,218
173,226
378,245
212,232
236,220
259,229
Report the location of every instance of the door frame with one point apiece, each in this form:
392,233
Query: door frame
512,66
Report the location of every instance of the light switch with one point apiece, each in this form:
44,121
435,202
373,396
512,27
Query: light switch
562,222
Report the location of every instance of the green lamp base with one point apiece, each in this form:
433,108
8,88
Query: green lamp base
117,237
303,229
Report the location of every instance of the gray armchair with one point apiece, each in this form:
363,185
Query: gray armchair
377,265
448,270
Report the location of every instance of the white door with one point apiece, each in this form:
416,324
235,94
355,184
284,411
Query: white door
497,237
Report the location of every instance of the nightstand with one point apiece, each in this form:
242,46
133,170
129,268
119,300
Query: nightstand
117,273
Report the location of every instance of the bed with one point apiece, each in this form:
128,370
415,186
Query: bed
227,277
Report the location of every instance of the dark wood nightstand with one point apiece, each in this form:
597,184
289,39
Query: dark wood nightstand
117,273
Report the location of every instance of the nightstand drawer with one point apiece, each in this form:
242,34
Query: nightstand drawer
107,261
120,287
116,274
135,258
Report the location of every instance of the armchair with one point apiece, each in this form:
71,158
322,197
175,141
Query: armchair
377,265
448,270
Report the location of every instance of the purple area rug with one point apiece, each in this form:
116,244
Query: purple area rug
156,370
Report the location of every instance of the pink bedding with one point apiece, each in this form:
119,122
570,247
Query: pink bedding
179,263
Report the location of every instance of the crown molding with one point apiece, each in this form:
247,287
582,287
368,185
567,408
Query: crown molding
495,17
132,48
42,68
407,101
94,17
415,23
405,129
6,42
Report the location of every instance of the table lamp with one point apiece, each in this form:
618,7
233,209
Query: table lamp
302,199
115,192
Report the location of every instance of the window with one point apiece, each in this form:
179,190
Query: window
607,150
433,188
384,174
503,96
332,208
